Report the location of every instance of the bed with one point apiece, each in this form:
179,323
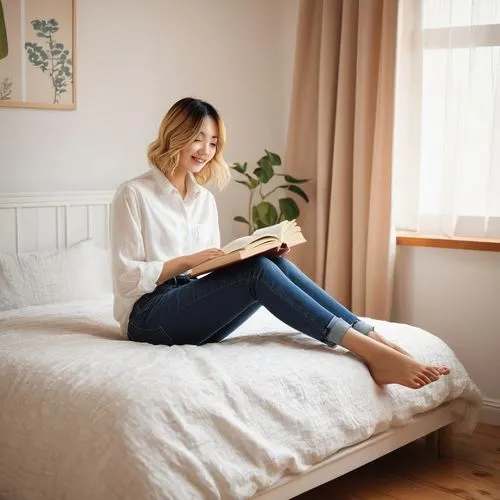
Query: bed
269,413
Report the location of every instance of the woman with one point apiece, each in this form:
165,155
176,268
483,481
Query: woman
164,223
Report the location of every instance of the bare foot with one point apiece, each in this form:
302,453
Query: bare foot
379,338
392,367
388,366
440,370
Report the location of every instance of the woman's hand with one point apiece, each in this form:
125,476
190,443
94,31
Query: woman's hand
283,250
200,257
179,265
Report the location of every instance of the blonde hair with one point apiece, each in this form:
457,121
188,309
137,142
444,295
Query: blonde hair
178,129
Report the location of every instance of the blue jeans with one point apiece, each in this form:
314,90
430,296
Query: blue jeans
186,310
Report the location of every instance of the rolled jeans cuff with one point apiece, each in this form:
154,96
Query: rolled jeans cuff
335,331
363,327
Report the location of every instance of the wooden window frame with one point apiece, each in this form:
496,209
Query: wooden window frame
404,238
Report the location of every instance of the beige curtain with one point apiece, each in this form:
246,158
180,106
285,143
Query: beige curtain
340,135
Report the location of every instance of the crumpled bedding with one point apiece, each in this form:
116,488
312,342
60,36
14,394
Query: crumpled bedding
86,414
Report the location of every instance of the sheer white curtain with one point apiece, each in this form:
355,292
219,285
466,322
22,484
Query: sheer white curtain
447,123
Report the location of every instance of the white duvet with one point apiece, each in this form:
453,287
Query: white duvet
88,415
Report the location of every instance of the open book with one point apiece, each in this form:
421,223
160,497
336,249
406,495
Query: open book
286,233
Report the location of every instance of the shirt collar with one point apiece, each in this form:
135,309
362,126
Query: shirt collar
193,188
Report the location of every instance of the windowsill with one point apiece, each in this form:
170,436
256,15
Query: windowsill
425,240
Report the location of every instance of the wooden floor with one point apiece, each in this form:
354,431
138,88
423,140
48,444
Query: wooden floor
412,473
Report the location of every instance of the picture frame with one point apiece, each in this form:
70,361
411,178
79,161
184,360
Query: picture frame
38,54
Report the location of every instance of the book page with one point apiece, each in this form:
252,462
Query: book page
294,237
255,244
237,244
291,232
265,240
277,231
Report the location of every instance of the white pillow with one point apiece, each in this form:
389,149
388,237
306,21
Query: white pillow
79,272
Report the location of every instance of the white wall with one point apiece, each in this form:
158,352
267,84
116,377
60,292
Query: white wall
134,59
455,294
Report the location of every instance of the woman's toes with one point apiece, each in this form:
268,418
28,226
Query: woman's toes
416,384
432,373
425,379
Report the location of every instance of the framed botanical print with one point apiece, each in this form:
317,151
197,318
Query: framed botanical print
37,53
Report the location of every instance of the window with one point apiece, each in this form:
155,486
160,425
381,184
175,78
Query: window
447,153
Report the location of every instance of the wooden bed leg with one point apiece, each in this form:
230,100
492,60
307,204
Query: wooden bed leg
445,441
432,444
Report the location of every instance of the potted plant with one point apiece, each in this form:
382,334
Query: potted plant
261,212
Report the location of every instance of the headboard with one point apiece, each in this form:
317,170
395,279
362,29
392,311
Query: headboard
32,222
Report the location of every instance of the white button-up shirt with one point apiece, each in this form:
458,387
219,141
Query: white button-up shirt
151,224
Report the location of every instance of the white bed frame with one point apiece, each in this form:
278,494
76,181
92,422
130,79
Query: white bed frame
48,221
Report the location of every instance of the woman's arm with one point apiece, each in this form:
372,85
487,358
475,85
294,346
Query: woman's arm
182,264
132,275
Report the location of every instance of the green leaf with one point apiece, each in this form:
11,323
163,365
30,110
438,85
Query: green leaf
238,218
239,168
259,224
264,162
253,181
264,173
4,46
297,190
245,183
289,208
273,157
289,178
264,213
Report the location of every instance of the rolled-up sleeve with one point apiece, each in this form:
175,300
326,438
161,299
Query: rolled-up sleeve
132,275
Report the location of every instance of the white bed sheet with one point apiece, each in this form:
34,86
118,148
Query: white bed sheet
86,414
